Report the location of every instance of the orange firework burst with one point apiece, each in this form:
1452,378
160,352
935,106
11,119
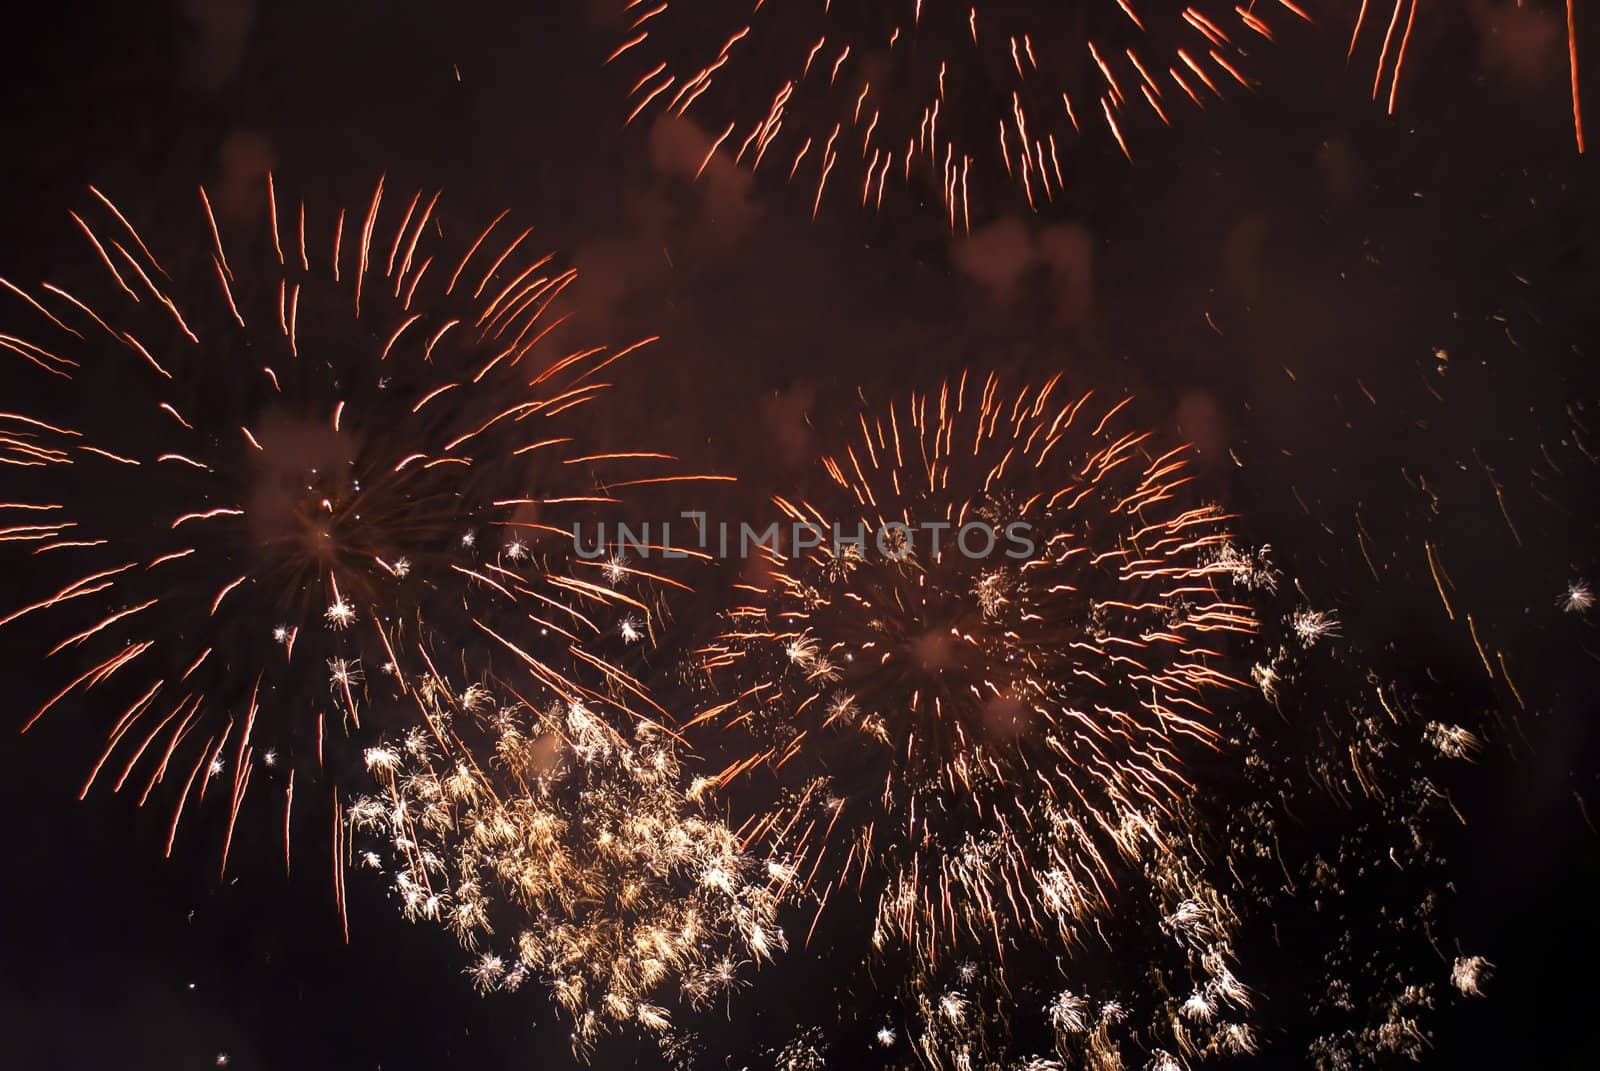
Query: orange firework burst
980,728
950,100
258,466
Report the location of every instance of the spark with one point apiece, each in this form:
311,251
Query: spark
1452,741
1469,973
343,673
1313,625
616,568
340,614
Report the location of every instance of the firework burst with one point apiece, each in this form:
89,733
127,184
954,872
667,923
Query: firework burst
950,101
572,853
987,733
257,465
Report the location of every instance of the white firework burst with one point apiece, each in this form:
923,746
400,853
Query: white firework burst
1469,973
1313,625
1578,598
340,614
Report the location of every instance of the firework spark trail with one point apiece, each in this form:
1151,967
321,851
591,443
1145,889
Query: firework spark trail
1389,32
279,450
988,743
953,100
570,852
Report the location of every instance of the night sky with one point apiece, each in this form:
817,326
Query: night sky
1366,324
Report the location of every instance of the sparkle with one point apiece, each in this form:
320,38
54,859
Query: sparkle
1069,1013
801,651
842,707
487,972
990,592
616,568
1469,973
1451,741
476,699
822,668
1267,679
1312,625
1578,598
340,614
342,673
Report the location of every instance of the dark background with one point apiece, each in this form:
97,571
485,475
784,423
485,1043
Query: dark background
1366,324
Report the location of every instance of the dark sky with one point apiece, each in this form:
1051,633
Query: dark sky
1365,323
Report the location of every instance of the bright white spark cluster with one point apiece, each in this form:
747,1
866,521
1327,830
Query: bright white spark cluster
1578,598
1469,973
1452,741
1312,625
566,850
